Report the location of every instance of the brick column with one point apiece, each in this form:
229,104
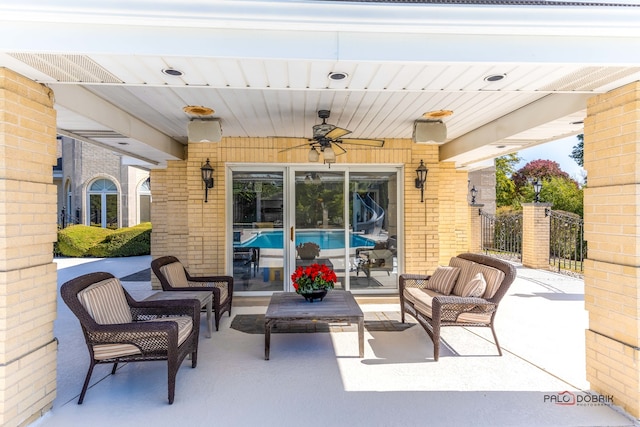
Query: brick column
612,224
535,235
28,278
475,228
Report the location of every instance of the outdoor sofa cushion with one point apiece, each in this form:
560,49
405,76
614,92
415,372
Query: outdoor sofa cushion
475,287
423,301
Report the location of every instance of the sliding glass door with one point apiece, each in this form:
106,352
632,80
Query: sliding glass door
346,218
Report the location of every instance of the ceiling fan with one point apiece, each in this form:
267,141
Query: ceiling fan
327,136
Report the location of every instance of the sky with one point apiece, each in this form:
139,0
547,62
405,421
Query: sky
559,152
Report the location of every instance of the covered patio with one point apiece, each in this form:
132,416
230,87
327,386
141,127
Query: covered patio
448,85
316,379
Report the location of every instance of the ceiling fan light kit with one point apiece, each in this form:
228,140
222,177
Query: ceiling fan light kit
429,131
204,131
314,156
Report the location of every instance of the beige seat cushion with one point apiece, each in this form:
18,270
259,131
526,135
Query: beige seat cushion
443,279
422,299
466,273
106,303
110,351
224,288
175,275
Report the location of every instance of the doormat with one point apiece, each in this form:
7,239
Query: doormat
380,321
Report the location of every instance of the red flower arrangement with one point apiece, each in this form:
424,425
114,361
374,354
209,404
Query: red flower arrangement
313,277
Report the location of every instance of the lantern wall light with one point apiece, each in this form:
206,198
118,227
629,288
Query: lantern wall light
474,193
207,178
421,178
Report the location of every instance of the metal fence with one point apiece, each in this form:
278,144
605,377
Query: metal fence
567,247
502,234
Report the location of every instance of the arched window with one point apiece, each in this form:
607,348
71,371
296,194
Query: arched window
144,197
103,204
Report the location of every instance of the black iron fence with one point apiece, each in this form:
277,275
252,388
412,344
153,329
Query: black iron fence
567,247
502,234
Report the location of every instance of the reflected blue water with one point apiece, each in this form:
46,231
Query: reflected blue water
326,239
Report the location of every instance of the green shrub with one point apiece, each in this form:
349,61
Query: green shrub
85,241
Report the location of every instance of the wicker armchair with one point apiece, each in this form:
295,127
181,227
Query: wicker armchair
174,277
435,309
118,328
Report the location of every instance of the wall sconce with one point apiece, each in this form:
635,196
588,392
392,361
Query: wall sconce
421,178
207,178
474,193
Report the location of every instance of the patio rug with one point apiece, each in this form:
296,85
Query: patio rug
140,276
384,321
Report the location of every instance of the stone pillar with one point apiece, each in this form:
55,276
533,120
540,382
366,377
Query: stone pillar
475,228
535,235
612,228
28,278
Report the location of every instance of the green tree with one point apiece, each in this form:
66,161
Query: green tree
505,188
564,195
577,153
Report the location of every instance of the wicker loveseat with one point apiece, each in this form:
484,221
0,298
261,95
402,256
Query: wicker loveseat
467,293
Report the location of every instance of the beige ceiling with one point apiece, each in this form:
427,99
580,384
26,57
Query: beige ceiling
264,66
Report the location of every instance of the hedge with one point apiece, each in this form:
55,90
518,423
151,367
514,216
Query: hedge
86,241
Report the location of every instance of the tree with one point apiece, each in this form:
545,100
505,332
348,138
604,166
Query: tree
537,169
505,188
563,194
577,153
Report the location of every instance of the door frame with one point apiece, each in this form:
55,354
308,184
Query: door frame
289,254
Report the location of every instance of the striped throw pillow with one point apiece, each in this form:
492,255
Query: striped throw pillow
474,288
443,279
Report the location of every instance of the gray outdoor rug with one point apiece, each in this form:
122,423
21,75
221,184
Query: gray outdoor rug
373,322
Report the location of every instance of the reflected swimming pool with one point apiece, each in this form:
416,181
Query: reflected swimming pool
325,238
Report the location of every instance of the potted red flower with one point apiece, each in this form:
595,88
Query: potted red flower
313,281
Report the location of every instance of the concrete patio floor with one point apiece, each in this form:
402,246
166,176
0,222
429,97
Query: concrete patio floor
318,380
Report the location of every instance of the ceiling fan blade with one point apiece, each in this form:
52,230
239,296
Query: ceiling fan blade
307,144
342,150
367,142
336,133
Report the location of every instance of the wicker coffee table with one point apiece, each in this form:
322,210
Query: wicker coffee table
289,307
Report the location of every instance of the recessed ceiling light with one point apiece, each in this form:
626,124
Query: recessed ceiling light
198,110
338,75
494,77
501,146
438,114
172,72
123,143
580,122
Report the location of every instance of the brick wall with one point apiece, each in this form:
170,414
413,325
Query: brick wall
28,279
196,232
612,274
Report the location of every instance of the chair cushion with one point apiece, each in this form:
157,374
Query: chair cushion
466,273
443,279
110,351
474,288
224,288
175,275
423,302
106,303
